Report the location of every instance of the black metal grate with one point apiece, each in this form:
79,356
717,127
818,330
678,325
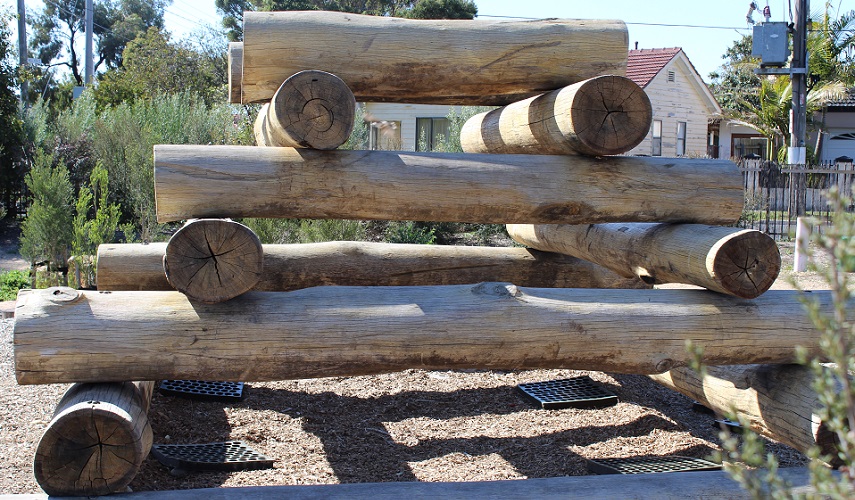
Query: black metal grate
227,456
579,392
647,465
203,390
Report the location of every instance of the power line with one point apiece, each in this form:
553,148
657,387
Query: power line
634,24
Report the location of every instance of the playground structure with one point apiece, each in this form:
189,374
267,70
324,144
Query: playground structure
644,220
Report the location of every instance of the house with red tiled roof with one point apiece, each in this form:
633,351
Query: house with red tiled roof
683,105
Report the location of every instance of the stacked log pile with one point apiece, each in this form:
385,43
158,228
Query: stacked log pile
599,228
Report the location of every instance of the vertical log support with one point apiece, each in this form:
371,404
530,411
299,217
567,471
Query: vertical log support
606,115
235,71
97,439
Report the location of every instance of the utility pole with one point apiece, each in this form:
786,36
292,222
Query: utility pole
88,70
22,47
798,69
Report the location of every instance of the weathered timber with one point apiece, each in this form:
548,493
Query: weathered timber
740,262
311,109
778,400
350,263
213,260
65,335
235,71
606,115
707,485
389,59
242,181
97,439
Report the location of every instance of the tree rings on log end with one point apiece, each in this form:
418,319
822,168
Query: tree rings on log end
610,115
213,260
312,109
747,263
93,447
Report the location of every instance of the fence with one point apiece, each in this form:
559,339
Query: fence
775,195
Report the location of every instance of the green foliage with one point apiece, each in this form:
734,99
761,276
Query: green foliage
90,231
409,232
59,28
278,231
443,9
11,282
46,232
359,135
833,369
155,66
11,139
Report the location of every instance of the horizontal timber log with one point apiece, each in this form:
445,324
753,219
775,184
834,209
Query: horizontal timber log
389,59
606,115
740,262
778,400
214,181
349,263
65,335
97,440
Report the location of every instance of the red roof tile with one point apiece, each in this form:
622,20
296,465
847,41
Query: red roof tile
642,65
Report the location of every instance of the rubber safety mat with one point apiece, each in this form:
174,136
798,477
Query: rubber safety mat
203,390
578,392
647,465
227,456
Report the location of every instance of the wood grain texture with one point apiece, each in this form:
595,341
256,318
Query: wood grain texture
778,400
740,262
344,331
235,62
213,260
350,263
388,59
606,115
311,109
97,440
242,181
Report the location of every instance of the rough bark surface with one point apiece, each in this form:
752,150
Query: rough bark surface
97,440
242,181
606,115
740,262
343,331
349,263
235,71
778,400
212,260
389,59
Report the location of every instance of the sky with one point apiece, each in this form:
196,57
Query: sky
704,30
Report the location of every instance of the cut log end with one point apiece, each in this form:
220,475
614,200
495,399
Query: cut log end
212,260
611,115
96,442
747,264
312,109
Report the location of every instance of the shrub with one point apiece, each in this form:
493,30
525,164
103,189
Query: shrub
11,282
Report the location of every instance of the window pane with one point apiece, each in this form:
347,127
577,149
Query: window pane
681,138
657,128
423,134
440,132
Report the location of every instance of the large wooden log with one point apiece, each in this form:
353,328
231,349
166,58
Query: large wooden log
388,59
97,440
67,335
241,181
778,400
235,71
740,262
606,115
311,109
350,263
213,260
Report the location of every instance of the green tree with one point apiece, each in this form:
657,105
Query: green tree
46,232
734,84
153,65
11,140
60,26
443,9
